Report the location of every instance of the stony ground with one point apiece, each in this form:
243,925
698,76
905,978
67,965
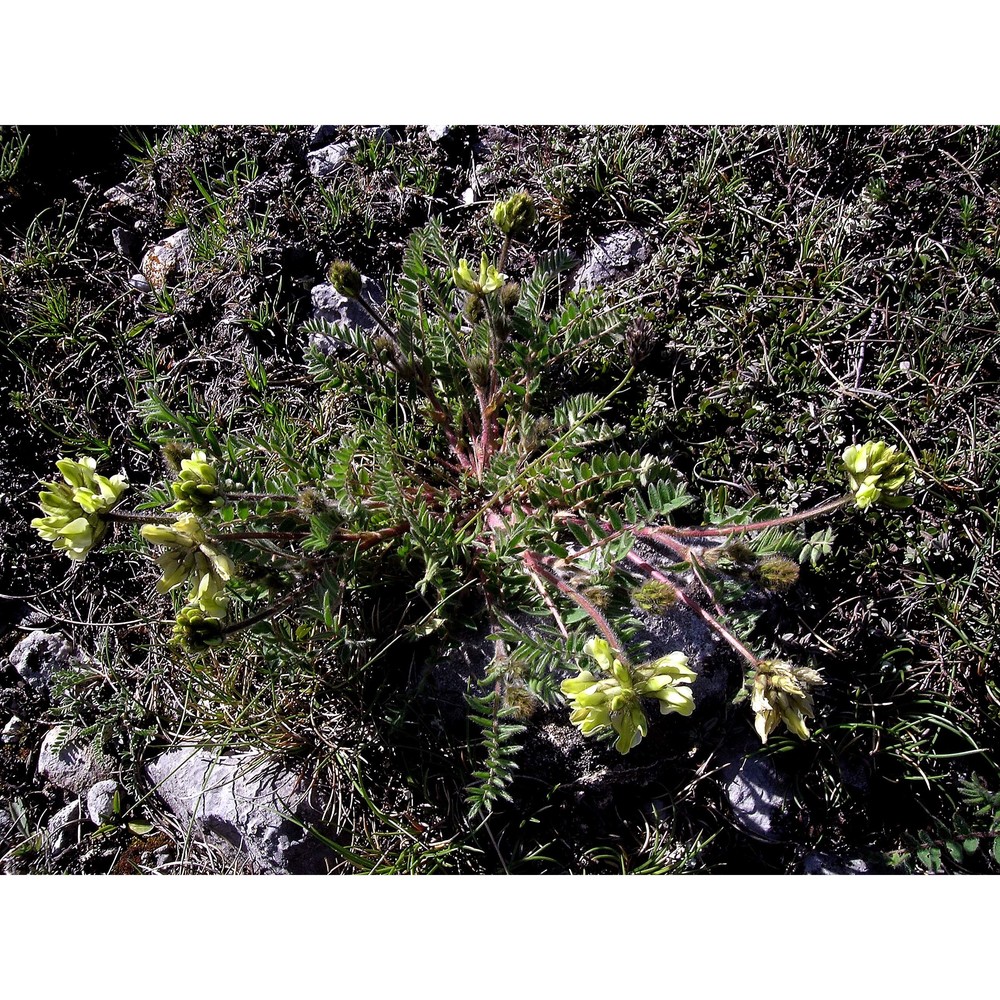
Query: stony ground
795,288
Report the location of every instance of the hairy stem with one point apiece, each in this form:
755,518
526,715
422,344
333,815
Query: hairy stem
735,529
535,565
651,572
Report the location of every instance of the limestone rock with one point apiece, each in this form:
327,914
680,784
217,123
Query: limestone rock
63,829
165,258
13,729
101,801
324,162
322,135
260,808
821,863
70,762
40,655
758,794
331,306
613,256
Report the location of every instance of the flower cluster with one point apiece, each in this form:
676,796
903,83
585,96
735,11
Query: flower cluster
195,489
190,555
515,214
74,509
781,693
876,472
613,701
489,278
196,629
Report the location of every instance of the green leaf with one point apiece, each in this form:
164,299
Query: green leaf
141,829
930,858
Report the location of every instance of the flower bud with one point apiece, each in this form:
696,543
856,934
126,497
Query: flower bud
475,307
655,597
195,489
197,630
515,214
777,573
345,278
510,295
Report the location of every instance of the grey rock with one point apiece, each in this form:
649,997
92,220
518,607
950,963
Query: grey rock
437,132
101,801
163,259
260,808
126,242
39,655
71,763
757,794
138,282
331,306
12,730
63,829
7,826
492,138
324,162
321,135
122,196
613,256
820,863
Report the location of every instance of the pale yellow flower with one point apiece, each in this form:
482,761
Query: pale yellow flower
876,472
74,508
782,693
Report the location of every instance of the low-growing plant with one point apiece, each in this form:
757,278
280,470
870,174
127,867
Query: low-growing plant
469,479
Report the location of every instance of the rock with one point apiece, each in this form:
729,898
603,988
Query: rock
40,655
122,196
166,257
63,829
7,828
437,132
101,801
138,282
12,730
331,306
613,256
259,808
71,763
324,162
757,794
126,242
321,135
819,863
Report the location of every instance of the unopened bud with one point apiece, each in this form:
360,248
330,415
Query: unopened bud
345,278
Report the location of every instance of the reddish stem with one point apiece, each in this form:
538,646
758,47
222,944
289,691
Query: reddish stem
535,564
691,603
